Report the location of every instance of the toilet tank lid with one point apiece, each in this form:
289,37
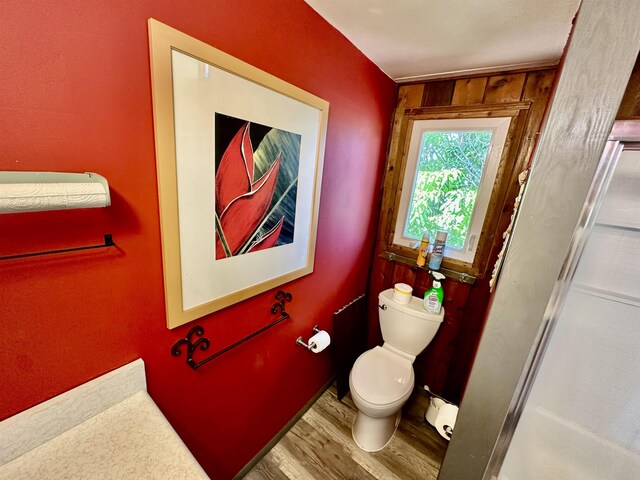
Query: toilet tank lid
414,308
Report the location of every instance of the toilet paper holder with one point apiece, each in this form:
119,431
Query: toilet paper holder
301,342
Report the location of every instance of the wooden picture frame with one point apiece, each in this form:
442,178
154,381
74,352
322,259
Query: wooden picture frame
219,125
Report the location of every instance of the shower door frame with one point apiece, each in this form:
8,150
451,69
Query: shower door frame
625,135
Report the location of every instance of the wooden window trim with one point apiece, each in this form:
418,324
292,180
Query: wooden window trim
512,159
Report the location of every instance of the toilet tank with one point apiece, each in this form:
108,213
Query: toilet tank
409,328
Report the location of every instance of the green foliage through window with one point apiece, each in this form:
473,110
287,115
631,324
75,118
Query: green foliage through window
448,174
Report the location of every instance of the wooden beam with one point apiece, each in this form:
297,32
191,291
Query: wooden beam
504,88
468,91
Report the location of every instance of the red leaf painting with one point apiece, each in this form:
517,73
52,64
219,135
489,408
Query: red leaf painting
235,172
241,217
269,240
241,203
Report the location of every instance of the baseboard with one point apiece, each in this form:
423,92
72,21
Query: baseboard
283,431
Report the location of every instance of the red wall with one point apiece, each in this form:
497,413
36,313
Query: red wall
76,97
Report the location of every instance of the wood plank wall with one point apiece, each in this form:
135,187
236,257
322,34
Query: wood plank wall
630,105
446,363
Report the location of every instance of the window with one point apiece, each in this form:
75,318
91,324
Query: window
450,171
429,183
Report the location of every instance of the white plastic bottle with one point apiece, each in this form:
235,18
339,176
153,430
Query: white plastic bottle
438,250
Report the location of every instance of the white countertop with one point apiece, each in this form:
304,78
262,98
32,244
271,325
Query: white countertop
130,440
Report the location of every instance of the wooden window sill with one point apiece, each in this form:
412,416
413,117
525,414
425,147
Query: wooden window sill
459,276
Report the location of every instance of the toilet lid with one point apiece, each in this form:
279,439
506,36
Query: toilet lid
382,377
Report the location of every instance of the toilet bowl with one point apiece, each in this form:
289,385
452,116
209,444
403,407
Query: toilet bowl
381,382
382,379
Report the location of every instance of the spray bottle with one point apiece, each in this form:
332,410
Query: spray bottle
438,250
433,298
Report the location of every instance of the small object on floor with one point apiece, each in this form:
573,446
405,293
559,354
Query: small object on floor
432,412
441,414
426,387
446,419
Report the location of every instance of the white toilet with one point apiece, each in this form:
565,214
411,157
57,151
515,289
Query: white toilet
382,379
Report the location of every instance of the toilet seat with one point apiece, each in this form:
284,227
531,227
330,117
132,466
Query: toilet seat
381,378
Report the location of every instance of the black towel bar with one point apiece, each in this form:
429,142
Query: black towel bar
108,242
203,342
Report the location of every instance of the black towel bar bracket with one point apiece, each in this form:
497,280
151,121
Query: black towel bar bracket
203,343
108,242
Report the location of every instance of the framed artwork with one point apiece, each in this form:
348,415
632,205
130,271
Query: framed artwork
239,157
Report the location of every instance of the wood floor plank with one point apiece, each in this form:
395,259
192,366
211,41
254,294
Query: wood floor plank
430,445
256,474
406,458
322,456
320,446
365,460
393,456
423,436
288,465
413,424
266,470
339,412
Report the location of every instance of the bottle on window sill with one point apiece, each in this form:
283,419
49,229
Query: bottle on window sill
438,250
423,250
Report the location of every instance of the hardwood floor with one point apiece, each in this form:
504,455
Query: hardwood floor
319,446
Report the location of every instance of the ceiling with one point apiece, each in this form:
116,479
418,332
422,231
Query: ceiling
414,40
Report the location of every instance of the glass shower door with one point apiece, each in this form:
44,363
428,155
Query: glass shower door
581,419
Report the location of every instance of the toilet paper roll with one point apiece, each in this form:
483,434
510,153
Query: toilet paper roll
446,420
432,411
319,341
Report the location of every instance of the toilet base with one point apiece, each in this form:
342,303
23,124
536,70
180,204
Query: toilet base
373,434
